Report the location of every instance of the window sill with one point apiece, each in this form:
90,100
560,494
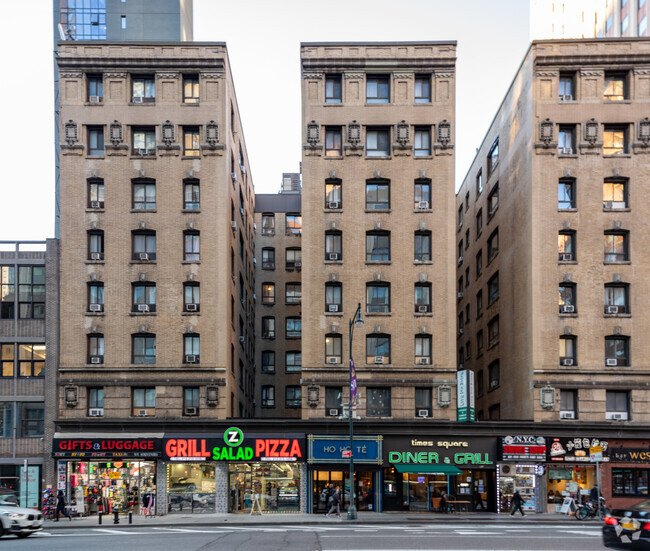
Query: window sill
492,345
370,211
378,157
190,211
91,262
95,210
190,262
98,157
93,104
492,388
617,101
190,157
568,210
143,210
616,262
567,262
190,313
423,314
567,315
422,211
628,315
569,367
142,262
569,101
94,313
326,210
140,157
333,157
378,365
138,314
334,314
423,262
333,262
626,209
618,156
378,314
567,155
143,103
378,262
192,104
424,157
333,104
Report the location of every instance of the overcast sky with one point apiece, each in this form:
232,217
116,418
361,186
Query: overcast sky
263,39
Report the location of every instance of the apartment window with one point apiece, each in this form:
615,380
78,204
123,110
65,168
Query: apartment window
6,360
617,402
615,194
567,300
568,350
377,142
460,216
293,328
96,245
191,141
190,89
616,246
333,347
377,246
31,292
333,245
423,402
143,398
422,246
493,332
293,397
378,349
333,297
144,297
95,88
95,140
479,223
422,194
423,349
493,289
191,297
377,88
333,198
293,224
566,246
333,89
568,402
123,21
268,361
479,343
191,251
461,329
377,298
479,183
614,140
144,245
268,224
422,142
31,360
565,89
293,258
144,194
479,263
615,88
422,297
95,193
494,374
268,327
96,297
493,245
493,200
191,401
144,88
31,419
423,89
377,195
493,157
268,293
617,298
293,361
494,412
333,401
333,141
191,348
95,398
617,351
377,402
479,304
144,349
293,293
268,396
191,195
268,258
144,141
566,194
566,139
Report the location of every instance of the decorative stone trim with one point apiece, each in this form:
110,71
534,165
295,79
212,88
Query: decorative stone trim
443,133
212,395
116,133
591,131
115,75
313,75
353,134
592,72
355,75
403,75
212,134
642,70
644,131
547,74
167,75
444,396
444,74
546,132
71,395
313,133
210,76
168,133
402,134
71,75
71,132
313,395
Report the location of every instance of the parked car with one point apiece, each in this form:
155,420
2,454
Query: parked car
16,520
628,526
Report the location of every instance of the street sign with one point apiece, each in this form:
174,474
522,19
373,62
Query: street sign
596,453
346,453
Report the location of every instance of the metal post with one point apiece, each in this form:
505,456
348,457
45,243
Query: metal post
99,517
352,509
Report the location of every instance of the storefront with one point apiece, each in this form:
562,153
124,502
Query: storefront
437,473
627,476
262,472
521,468
570,473
329,466
107,474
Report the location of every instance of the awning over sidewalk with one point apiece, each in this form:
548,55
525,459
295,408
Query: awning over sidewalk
428,469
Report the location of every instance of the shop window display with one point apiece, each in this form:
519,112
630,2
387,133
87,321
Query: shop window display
190,488
275,486
569,481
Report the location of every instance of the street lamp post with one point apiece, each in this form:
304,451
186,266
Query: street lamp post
357,320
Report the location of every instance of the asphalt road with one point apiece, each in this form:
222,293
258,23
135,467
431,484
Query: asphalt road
335,537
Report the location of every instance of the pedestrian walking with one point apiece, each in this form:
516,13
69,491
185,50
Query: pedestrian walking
334,502
517,502
594,494
60,507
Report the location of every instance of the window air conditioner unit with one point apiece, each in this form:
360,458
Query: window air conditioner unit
94,204
136,99
566,150
460,260
461,331
95,307
567,309
95,412
191,359
379,359
143,256
423,361
233,225
143,307
191,411
423,204
95,99
242,340
298,264
460,294
566,97
333,256
616,415
566,361
333,308
567,415
332,360
611,362
566,256
494,384
423,413
233,175
333,412
191,307
608,204
95,256
333,205
96,359
143,412
611,309
423,309
143,152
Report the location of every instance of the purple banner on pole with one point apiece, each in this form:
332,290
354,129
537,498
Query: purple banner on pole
353,381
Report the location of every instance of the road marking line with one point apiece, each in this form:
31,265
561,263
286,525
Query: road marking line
195,531
119,532
583,532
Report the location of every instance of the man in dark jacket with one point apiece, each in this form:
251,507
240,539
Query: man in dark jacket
517,502
334,502
60,507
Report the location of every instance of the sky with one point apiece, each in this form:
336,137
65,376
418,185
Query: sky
263,39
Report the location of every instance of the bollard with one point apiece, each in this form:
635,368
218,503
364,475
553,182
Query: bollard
99,517
116,517
130,517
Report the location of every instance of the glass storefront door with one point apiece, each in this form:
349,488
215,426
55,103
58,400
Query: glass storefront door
191,488
274,486
365,490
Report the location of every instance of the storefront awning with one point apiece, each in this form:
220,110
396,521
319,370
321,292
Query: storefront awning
428,469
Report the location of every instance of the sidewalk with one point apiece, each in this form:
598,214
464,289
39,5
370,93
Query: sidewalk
217,519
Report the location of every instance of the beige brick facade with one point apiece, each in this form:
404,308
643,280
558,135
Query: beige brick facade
559,176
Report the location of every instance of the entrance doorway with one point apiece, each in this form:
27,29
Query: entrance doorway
365,490
275,486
